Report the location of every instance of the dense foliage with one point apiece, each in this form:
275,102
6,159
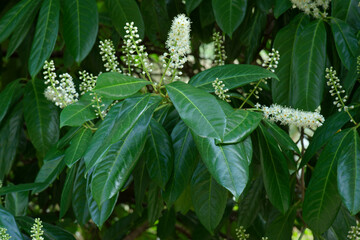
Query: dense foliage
117,122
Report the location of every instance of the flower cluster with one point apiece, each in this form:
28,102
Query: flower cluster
336,90
178,44
241,233
220,55
107,52
3,234
36,230
288,116
220,91
271,63
135,54
88,82
354,233
358,62
312,7
62,92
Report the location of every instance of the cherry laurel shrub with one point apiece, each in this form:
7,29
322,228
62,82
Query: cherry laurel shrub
153,137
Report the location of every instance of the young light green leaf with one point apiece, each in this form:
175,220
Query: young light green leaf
78,146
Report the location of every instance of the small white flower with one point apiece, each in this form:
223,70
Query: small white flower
220,55
36,230
220,91
107,52
3,234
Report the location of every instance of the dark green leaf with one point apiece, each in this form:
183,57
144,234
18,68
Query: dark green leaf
7,221
80,26
346,10
20,188
158,154
322,199
345,41
275,173
45,35
141,182
65,140
78,146
307,83
198,109
7,97
229,14
233,76
166,226
281,226
41,117
348,172
118,86
341,225
123,11
206,13
209,198
280,7
66,195
17,202
155,203
190,5
185,160
228,164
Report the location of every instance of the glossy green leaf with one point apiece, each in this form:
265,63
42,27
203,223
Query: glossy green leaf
78,146
190,5
118,86
9,139
45,35
307,83
185,159
112,172
281,226
275,173
99,213
198,109
41,117
322,199
285,42
345,41
80,23
7,97
348,172
229,14
155,203
346,10
51,232
17,202
79,112
341,226
19,188
7,221
233,76
120,120
65,140
208,197
123,11
79,200
141,182
228,164
158,154
280,7
66,195
15,16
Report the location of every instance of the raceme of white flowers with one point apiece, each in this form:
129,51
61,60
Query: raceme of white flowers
354,233
336,90
220,91
36,230
220,54
241,233
107,52
291,116
3,234
312,7
178,44
62,92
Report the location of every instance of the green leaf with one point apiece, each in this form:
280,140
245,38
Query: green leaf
141,182
198,109
80,23
166,226
118,86
112,172
206,14
7,221
20,188
228,164
281,226
65,140
322,199
99,213
158,154
307,83
41,117
240,124
45,35
78,147
155,203
275,173
208,197
51,232
348,172
7,97
15,16
185,160
123,11
229,14
120,120
53,166
9,139
346,10
17,202
281,6
232,75
341,225
190,5
285,42
79,200
66,195
345,41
